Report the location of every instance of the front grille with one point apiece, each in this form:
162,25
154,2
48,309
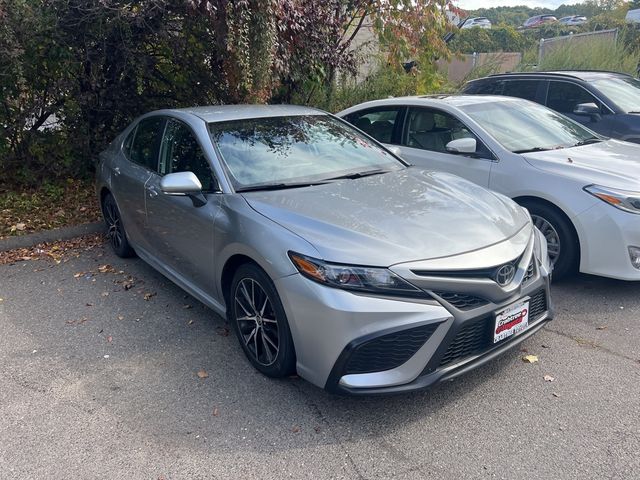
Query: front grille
477,336
462,301
472,338
528,275
388,351
537,305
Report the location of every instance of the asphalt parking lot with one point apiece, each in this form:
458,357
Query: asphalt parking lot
123,376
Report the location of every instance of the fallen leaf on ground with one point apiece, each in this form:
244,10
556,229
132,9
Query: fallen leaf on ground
147,296
120,317
20,226
295,429
530,358
601,327
105,294
202,373
77,275
89,304
190,322
187,307
109,339
317,429
555,394
106,269
215,412
222,331
548,378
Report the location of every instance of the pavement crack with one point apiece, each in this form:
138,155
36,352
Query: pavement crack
593,344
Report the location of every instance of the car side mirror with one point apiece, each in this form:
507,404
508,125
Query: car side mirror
588,109
462,145
183,184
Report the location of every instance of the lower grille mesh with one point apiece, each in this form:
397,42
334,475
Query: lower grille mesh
476,336
462,301
389,351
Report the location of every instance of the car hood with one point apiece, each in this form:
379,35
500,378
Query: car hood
396,217
612,163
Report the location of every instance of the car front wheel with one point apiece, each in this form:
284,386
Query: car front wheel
259,320
562,241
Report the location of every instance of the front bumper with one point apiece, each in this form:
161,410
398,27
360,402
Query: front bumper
605,234
363,345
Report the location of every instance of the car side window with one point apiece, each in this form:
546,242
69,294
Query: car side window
126,146
145,144
527,89
488,88
563,97
182,153
432,130
379,122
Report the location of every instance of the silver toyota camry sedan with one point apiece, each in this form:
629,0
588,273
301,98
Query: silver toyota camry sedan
328,255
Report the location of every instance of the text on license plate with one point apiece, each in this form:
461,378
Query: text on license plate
510,321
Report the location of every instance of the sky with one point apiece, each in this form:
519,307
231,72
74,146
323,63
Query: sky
473,4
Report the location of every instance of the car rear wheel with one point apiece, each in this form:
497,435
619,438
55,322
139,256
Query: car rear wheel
562,241
115,229
258,318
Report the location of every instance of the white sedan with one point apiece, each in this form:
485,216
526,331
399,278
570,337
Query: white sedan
582,190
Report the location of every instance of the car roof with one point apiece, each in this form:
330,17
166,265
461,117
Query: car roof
457,100
222,113
585,75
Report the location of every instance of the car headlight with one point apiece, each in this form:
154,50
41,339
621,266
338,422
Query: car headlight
622,199
357,278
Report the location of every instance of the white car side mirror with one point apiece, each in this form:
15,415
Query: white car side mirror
462,145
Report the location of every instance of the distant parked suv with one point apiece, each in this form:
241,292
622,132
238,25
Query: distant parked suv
606,102
539,20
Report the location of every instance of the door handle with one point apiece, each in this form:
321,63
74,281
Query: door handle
152,192
116,171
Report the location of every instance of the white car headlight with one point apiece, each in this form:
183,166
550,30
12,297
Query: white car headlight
623,199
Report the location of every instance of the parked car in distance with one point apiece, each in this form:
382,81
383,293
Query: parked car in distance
538,20
633,16
605,102
573,20
328,255
581,189
480,22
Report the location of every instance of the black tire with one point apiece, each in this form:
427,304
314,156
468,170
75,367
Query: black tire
259,322
561,237
115,229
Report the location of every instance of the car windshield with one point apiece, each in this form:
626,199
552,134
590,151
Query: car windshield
623,91
281,152
522,126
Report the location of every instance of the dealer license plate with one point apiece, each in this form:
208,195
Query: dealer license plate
511,321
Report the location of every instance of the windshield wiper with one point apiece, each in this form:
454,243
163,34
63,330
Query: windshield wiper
352,176
533,149
588,141
277,186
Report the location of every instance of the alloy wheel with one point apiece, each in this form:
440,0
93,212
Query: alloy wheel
551,234
256,321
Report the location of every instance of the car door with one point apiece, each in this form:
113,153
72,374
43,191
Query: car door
424,142
182,233
132,168
564,96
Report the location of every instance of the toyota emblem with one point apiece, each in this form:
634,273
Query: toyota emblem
505,274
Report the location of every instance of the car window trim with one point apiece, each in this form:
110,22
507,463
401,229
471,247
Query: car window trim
602,102
495,158
394,132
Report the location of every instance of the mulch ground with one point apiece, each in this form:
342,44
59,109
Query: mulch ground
72,202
